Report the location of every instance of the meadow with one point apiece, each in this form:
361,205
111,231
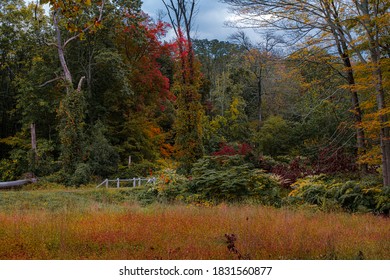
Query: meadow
111,224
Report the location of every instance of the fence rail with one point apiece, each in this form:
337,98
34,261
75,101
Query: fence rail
136,182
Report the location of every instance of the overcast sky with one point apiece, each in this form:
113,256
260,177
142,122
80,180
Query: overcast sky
209,22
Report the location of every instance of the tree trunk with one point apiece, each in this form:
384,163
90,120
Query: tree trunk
370,25
360,135
14,184
34,154
61,54
33,139
383,117
260,98
332,15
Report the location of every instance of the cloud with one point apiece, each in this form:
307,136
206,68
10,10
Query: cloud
209,21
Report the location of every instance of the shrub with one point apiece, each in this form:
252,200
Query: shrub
147,196
297,168
274,138
225,149
168,188
353,196
142,169
81,175
383,201
313,190
265,188
8,170
228,178
170,185
335,160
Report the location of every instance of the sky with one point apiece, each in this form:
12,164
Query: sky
209,22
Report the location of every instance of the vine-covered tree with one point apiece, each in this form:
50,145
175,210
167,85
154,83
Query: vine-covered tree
188,125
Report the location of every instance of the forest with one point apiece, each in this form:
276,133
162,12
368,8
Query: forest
95,89
273,146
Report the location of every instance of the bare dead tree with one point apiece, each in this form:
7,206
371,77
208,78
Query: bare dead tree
60,44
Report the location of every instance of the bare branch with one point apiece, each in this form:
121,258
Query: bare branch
51,44
50,81
80,83
169,8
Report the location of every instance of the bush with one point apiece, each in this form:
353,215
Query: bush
228,178
297,168
147,196
243,149
81,176
8,170
170,185
265,188
168,188
274,137
142,169
353,196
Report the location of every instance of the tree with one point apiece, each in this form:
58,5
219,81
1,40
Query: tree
316,21
71,20
15,45
259,59
21,72
188,125
371,20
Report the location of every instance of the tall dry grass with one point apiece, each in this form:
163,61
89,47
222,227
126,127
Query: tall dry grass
182,232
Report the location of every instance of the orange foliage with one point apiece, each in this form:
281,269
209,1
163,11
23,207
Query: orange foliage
180,232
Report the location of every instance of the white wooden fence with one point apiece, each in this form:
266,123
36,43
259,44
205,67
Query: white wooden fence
136,182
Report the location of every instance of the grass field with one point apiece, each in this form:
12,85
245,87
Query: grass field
101,224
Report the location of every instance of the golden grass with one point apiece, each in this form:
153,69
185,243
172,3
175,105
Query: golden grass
183,232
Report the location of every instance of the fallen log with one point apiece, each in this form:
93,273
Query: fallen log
15,184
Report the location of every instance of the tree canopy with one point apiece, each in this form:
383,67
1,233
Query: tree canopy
94,89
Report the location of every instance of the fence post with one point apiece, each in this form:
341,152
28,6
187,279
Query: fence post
117,182
139,182
134,182
106,183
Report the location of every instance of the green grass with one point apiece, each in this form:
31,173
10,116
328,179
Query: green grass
65,199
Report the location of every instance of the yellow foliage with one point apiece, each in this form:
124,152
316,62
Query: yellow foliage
234,108
371,157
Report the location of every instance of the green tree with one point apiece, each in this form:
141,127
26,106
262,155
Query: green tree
30,104
15,54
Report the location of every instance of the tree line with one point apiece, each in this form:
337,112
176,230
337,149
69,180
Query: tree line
92,89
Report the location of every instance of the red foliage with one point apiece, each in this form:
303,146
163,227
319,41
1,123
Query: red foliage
296,169
332,161
329,161
243,149
226,150
144,50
